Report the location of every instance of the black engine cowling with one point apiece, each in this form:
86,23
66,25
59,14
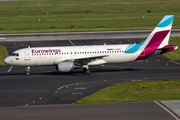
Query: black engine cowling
65,66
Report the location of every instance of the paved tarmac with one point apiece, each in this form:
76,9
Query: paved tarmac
110,111
46,86
173,105
80,35
17,89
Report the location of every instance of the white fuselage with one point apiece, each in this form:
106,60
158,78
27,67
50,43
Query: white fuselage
41,56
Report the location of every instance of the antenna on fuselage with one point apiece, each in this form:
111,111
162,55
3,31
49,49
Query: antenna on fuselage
28,46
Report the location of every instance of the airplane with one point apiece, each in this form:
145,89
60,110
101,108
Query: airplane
69,58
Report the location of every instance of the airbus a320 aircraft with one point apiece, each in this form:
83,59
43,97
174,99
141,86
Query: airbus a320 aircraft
68,58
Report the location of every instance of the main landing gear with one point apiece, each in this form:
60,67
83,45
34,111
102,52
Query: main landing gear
86,70
27,70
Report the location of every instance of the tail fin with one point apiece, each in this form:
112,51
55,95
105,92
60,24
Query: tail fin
158,39
160,35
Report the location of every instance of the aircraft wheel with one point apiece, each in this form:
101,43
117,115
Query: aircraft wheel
88,71
27,70
27,74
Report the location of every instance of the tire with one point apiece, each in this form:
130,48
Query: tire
88,71
27,74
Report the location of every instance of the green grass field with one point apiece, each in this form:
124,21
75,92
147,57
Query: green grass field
131,92
3,54
174,55
84,15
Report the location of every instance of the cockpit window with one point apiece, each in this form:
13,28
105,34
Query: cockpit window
15,54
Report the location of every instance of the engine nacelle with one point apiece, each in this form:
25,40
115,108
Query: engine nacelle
65,66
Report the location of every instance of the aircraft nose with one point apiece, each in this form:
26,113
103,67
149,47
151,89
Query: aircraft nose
6,60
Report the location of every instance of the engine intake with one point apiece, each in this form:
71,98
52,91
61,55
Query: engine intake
65,66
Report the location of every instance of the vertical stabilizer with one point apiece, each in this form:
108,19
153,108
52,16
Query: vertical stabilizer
160,35
158,38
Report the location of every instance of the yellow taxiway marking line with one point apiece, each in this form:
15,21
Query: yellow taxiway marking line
71,42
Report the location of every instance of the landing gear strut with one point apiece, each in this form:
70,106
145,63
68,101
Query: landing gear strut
27,70
86,70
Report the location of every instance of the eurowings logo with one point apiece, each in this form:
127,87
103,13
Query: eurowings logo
46,51
17,58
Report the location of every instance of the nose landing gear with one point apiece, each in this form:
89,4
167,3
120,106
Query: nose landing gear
27,70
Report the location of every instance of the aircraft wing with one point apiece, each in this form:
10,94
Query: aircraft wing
87,59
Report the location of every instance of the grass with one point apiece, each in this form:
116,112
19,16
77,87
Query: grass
3,54
174,55
84,15
131,92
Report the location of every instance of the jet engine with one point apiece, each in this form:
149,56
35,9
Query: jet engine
65,66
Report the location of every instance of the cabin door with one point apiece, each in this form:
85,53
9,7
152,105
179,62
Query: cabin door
27,55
